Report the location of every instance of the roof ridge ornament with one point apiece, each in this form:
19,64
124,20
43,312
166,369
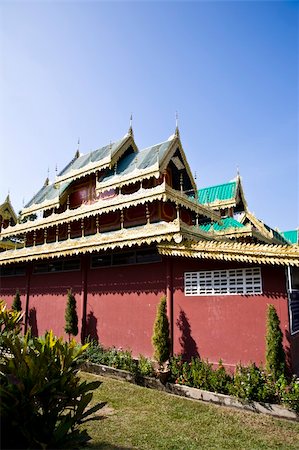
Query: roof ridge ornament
177,132
77,154
130,131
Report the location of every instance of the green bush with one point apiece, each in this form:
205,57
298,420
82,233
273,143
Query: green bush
42,398
200,374
71,317
144,366
253,384
17,304
289,392
275,355
220,380
10,324
160,338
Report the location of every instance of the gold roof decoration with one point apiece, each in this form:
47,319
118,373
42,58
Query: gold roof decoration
161,192
147,234
235,251
6,210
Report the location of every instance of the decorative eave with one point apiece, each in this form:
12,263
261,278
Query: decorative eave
147,234
264,232
6,205
117,150
235,251
246,231
161,192
120,180
176,142
35,207
91,167
230,202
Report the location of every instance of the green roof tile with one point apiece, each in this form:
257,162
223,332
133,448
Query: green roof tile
292,236
227,222
211,194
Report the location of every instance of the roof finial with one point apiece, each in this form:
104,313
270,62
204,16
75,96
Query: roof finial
238,172
130,132
56,169
176,133
77,154
47,181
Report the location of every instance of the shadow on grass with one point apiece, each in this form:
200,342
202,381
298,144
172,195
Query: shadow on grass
106,446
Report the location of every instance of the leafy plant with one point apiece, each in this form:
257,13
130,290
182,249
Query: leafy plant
160,338
289,392
275,355
42,399
252,383
71,317
145,366
17,304
10,322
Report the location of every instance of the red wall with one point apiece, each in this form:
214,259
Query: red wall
122,303
8,287
121,306
230,327
48,298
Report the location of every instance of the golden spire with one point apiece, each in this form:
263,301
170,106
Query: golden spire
77,154
130,132
177,132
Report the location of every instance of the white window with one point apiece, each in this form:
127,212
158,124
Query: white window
232,281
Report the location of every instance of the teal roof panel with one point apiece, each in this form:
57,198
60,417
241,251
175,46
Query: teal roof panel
226,223
291,236
211,194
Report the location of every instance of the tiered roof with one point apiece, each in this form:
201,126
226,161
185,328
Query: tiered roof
121,164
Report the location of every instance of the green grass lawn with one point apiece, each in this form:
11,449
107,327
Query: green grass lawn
140,418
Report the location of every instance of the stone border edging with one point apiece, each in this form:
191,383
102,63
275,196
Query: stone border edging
190,392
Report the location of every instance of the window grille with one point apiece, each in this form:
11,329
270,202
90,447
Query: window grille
221,282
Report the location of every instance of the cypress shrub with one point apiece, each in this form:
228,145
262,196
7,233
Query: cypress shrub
17,304
160,338
275,355
71,317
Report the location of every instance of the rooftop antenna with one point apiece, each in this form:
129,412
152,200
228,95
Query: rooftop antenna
177,133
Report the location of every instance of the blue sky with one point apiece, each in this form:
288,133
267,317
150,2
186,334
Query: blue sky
78,69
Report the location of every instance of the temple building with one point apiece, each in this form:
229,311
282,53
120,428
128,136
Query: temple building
123,227
7,217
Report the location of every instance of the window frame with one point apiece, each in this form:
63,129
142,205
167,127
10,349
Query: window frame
238,281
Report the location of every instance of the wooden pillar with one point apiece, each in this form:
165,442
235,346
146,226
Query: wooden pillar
147,213
45,236
29,270
82,227
169,300
121,219
84,268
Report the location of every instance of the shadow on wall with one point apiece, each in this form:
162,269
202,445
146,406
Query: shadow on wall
32,322
188,344
91,327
